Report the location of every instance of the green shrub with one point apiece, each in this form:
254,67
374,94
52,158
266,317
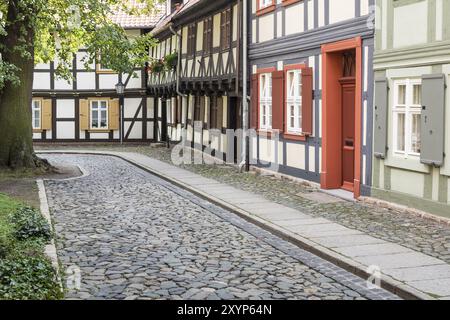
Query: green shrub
30,224
25,277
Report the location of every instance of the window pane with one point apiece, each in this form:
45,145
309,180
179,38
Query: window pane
103,104
292,117
401,94
417,94
400,132
415,134
103,119
94,119
95,105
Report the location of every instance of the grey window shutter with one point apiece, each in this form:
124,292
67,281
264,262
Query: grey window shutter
381,115
432,119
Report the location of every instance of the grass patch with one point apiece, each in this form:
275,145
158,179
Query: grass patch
25,271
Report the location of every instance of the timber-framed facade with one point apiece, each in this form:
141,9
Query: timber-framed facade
88,108
312,81
204,87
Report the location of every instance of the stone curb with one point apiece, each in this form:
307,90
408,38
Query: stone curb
388,283
50,249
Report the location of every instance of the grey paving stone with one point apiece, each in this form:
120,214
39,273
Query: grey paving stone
439,287
399,260
441,271
301,222
372,250
310,229
346,240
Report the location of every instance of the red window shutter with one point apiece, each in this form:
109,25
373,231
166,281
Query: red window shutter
278,100
307,101
254,102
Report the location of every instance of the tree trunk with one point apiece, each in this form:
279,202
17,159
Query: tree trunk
16,136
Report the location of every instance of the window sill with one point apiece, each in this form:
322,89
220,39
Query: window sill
286,3
265,10
100,130
295,136
38,130
409,164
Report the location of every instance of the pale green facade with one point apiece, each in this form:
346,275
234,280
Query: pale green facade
412,42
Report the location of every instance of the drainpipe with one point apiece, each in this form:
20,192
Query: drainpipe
179,61
245,123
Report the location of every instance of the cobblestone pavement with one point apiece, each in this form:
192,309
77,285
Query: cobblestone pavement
414,232
135,236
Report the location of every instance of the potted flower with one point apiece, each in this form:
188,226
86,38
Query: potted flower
157,66
171,61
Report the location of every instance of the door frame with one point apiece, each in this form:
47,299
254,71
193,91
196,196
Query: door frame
331,173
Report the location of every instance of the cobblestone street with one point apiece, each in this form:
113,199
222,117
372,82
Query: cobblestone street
135,236
414,232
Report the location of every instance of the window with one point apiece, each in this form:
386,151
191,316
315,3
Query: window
265,3
294,101
99,114
36,114
207,35
191,39
407,116
225,29
265,101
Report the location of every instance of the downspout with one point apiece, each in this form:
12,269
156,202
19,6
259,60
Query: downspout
179,61
245,123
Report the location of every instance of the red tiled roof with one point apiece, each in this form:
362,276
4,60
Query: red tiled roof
144,21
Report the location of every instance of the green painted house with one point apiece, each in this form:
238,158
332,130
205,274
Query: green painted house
411,138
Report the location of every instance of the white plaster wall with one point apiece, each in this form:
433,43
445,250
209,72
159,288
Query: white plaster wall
294,19
65,130
41,81
65,108
130,107
99,135
136,131
341,10
61,84
266,29
134,83
295,155
108,81
86,80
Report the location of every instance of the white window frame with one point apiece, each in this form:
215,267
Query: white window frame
265,101
36,105
409,109
294,98
99,102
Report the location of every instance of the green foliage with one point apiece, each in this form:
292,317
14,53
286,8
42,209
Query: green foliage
157,66
61,27
30,224
171,61
26,277
25,272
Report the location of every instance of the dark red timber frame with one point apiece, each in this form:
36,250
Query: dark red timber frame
331,175
307,102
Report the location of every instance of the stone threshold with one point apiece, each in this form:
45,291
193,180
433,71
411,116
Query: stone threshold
403,271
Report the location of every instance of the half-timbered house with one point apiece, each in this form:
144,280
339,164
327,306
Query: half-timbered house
88,109
312,81
412,119
203,86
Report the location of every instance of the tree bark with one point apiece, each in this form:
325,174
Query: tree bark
16,133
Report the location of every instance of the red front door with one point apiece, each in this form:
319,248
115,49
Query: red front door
348,132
